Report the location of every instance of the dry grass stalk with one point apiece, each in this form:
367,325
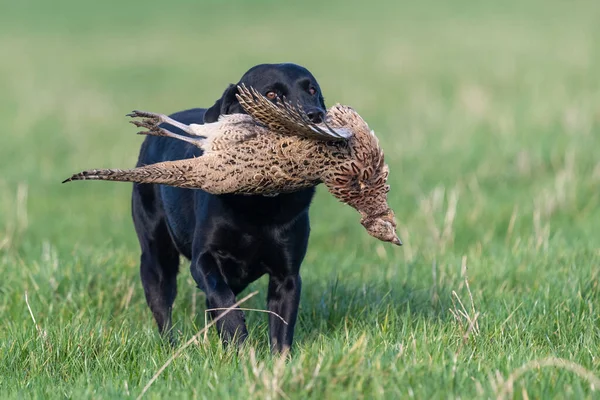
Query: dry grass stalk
239,308
269,380
504,389
434,204
466,319
191,341
37,327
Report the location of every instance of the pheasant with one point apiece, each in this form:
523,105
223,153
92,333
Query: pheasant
274,149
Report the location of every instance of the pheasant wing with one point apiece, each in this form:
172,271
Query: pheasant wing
285,118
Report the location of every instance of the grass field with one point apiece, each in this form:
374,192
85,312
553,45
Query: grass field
489,113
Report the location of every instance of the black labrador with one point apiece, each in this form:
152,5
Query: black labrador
231,240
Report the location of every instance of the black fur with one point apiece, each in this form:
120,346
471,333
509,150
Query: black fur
231,240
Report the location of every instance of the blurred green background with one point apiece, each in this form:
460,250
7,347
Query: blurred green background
489,115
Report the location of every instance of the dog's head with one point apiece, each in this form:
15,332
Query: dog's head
274,81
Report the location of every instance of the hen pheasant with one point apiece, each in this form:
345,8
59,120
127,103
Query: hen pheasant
274,149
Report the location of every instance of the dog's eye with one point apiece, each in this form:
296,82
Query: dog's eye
271,95
312,91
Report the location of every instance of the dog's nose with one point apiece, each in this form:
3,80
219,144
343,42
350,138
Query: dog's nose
316,115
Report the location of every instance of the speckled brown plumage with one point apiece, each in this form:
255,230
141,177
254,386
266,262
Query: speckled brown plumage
275,149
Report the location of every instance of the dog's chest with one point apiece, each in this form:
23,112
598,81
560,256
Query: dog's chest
244,257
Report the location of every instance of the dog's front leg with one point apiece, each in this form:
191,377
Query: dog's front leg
283,299
219,297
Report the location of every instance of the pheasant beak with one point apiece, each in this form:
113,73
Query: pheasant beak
383,229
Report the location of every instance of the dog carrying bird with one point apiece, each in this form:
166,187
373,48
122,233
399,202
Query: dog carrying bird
274,149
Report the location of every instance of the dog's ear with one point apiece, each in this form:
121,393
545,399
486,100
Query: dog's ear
225,105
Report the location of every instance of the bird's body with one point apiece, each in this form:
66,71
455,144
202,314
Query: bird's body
244,158
273,150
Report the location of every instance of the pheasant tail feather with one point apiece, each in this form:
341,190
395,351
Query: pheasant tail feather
173,173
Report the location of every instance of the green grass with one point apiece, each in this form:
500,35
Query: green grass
489,116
